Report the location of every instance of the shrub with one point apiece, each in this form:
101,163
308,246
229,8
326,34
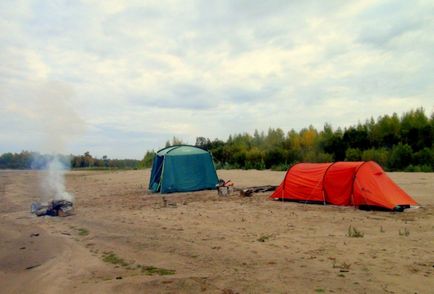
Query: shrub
312,156
424,157
254,159
353,154
401,156
280,167
425,168
381,156
274,156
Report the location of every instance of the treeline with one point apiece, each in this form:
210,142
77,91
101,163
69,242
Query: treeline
398,143
88,161
35,160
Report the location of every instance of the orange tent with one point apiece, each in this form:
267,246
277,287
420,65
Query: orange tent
342,183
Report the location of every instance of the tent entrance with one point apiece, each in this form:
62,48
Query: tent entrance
157,168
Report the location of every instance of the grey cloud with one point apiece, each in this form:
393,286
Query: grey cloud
187,61
389,20
381,33
245,95
183,96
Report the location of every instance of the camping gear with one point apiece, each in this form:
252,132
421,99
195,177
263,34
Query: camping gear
225,188
182,168
361,184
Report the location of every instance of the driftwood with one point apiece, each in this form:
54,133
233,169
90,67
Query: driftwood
247,192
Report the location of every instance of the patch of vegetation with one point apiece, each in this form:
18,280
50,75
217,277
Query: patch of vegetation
83,232
382,229
319,290
405,232
354,233
424,168
111,257
263,238
152,270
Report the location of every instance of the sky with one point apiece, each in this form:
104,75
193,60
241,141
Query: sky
118,78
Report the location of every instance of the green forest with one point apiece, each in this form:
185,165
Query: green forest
397,143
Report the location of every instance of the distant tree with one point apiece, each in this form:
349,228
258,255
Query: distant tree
401,156
380,155
424,157
353,154
386,132
203,142
336,146
148,159
105,160
356,138
274,156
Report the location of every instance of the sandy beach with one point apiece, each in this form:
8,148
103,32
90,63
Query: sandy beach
124,240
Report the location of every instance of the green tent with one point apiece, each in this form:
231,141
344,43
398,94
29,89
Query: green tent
182,168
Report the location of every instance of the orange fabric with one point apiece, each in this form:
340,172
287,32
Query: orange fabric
342,183
338,182
303,182
373,187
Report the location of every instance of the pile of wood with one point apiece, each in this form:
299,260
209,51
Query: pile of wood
53,208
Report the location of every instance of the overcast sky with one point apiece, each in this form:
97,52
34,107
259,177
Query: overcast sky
119,77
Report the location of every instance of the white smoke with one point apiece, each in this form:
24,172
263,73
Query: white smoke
58,125
53,183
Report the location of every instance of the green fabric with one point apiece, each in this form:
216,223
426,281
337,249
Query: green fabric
183,169
181,150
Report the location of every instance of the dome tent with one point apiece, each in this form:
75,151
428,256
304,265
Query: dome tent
182,168
361,184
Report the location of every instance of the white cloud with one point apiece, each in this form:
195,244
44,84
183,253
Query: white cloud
144,72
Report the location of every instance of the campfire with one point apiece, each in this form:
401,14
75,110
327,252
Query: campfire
55,200
54,208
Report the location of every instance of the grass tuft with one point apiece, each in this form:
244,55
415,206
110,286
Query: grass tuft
405,232
152,270
83,232
354,233
111,257
263,238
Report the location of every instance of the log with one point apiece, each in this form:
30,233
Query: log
247,192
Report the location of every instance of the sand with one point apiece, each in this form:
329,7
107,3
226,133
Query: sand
123,240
